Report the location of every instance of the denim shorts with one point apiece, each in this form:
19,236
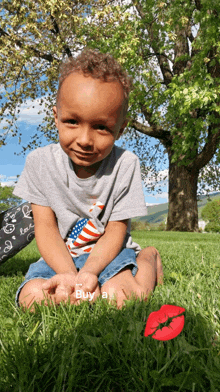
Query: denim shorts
41,270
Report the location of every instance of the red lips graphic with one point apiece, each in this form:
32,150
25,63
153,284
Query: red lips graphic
161,316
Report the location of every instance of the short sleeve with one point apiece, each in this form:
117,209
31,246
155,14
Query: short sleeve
129,197
30,184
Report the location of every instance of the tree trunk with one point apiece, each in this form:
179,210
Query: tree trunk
183,211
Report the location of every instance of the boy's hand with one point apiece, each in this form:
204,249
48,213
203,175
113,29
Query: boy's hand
63,286
60,286
86,286
87,281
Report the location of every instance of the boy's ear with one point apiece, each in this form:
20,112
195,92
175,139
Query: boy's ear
55,115
122,129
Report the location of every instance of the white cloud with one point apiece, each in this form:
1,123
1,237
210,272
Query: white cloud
28,113
7,183
159,199
163,195
7,180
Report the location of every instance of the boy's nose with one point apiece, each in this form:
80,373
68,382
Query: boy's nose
84,138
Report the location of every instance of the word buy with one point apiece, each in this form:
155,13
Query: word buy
81,294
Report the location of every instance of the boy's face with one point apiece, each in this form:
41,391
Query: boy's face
89,117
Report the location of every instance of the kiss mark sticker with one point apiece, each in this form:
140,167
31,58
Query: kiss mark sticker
170,314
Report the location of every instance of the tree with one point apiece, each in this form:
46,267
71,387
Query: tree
7,199
170,48
211,213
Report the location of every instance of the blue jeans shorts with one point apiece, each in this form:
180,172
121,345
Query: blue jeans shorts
41,270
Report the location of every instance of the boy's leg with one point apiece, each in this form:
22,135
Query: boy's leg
150,272
121,285
150,269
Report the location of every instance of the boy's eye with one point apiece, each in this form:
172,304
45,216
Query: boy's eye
102,127
72,121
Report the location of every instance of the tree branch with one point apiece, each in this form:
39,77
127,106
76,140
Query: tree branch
208,150
21,44
198,5
181,48
156,54
56,31
162,58
154,131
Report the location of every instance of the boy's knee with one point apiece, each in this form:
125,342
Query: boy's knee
150,250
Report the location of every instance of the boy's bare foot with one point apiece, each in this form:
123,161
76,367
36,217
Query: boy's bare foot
32,292
121,287
124,286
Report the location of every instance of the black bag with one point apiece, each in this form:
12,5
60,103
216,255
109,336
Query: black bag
16,230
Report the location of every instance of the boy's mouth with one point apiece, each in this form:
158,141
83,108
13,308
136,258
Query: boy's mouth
83,154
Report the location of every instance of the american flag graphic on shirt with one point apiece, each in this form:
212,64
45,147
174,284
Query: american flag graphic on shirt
83,234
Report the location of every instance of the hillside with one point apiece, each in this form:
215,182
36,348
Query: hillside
158,213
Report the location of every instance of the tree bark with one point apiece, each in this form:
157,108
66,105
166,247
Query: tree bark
183,211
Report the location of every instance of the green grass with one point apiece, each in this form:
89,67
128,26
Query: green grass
100,348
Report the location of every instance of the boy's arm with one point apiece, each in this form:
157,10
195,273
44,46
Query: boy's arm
54,251
107,247
49,241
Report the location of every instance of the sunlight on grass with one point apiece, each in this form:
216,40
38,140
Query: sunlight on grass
99,348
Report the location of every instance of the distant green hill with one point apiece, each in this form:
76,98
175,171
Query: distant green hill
158,213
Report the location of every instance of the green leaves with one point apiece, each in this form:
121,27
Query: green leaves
211,212
7,199
194,111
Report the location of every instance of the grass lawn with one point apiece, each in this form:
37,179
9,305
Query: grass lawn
100,348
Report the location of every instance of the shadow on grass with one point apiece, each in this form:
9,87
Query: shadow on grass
18,264
100,348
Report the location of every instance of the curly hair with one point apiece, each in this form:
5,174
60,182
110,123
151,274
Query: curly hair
98,65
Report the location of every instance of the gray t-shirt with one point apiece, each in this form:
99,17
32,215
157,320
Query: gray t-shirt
83,207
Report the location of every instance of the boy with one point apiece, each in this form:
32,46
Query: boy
83,191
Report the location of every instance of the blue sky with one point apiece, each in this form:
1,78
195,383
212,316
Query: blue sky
12,165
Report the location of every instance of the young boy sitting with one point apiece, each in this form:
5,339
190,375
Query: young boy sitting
84,191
